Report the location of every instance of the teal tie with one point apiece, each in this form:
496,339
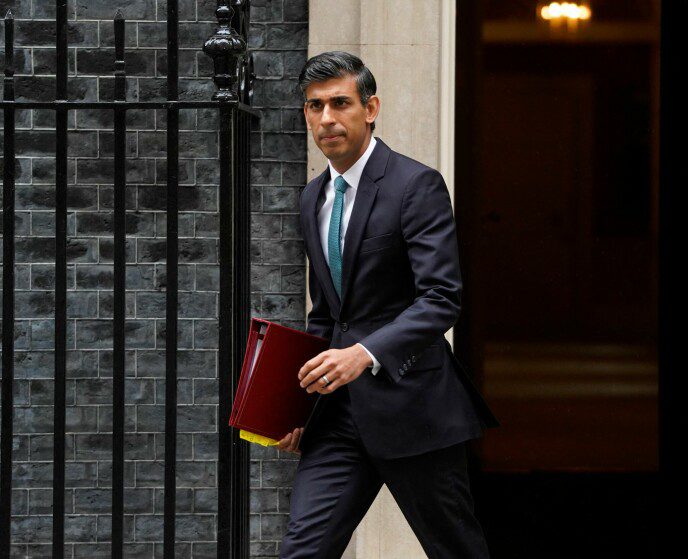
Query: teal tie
334,253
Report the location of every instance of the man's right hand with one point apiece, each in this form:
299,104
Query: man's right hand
290,442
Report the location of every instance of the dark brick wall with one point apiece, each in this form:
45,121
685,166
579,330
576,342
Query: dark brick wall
279,39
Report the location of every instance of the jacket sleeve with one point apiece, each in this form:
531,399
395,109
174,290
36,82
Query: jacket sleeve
428,227
376,364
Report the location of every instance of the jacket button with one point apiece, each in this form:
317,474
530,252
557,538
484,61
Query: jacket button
344,326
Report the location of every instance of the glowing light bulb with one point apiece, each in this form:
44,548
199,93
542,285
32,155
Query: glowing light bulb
571,12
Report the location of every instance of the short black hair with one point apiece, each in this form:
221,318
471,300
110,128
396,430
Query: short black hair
336,64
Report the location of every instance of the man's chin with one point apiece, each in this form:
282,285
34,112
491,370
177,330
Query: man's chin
331,151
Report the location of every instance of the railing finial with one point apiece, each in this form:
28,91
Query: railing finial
227,48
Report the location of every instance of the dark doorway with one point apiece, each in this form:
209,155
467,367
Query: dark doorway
557,189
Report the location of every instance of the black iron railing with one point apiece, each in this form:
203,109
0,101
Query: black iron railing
233,75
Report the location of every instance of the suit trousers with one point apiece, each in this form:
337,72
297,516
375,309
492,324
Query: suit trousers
336,481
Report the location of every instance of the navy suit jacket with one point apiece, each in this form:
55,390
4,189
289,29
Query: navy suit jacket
401,291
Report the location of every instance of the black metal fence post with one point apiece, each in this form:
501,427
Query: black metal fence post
119,293
59,406
227,47
171,273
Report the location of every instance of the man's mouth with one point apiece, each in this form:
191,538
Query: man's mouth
331,138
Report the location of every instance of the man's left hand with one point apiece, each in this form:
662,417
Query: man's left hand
340,366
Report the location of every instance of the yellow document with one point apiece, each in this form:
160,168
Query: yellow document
259,439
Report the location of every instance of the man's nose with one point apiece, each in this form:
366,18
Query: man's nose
328,115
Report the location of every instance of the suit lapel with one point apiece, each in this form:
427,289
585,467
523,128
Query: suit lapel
365,196
363,203
312,236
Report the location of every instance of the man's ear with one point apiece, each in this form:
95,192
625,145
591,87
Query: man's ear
374,100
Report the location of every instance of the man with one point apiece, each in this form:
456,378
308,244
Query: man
395,407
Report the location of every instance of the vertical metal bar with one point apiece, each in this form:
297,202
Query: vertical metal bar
61,115
172,288
7,431
118,346
244,287
229,443
233,481
240,315
238,319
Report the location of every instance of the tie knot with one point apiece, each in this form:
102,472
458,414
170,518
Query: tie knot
340,184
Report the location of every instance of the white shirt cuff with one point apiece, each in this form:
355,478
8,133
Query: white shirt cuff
376,363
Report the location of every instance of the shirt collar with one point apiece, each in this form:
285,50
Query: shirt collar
353,174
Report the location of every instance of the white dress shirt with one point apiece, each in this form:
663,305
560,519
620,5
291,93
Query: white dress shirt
352,176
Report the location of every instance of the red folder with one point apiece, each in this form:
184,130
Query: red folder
268,400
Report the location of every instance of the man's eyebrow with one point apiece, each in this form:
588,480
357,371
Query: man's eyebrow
345,97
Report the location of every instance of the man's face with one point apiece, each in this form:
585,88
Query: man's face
338,120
